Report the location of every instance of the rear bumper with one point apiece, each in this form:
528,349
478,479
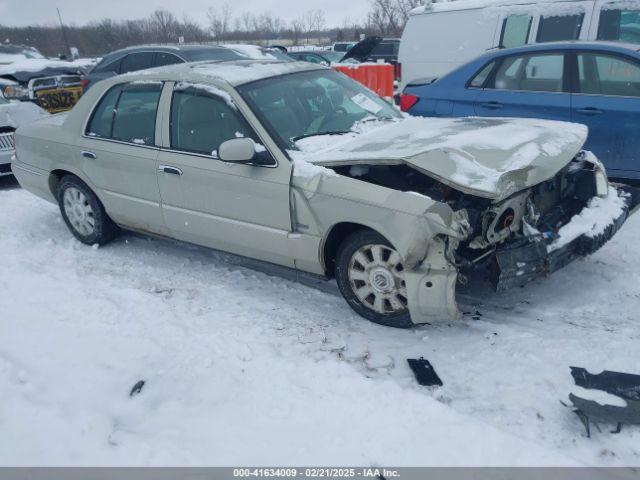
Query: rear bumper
516,266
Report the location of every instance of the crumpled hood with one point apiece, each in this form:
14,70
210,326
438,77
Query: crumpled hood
14,114
487,157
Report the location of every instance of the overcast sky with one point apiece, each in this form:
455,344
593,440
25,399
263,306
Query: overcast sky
25,12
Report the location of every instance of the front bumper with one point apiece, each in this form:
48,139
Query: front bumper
5,162
517,265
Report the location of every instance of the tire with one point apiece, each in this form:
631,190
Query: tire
369,275
83,212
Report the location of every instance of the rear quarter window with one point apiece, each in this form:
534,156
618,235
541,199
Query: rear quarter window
481,77
108,65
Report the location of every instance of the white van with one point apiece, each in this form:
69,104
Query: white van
439,37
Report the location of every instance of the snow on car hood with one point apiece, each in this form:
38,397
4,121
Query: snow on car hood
15,114
23,69
487,157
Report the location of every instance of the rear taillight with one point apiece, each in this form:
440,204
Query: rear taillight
83,83
407,101
398,72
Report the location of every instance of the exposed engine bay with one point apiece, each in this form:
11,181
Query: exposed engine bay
507,240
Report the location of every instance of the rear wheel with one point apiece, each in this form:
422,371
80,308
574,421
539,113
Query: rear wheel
370,276
83,212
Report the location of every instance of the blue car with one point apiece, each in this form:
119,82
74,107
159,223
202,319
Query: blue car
593,83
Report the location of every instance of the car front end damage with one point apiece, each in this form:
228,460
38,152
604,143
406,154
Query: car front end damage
507,242
542,229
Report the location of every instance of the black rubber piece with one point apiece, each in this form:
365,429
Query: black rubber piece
137,388
424,372
346,250
105,229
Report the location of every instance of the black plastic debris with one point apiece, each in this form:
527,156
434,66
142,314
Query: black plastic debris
424,372
622,385
137,388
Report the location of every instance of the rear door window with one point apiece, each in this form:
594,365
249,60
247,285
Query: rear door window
165,58
515,30
619,25
560,28
136,61
608,75
533,73
127,113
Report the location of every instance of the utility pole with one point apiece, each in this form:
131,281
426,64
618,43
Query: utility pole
64,33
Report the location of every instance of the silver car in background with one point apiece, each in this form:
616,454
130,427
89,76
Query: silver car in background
299,166
12,115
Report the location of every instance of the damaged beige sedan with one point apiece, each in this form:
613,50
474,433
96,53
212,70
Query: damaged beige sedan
299,166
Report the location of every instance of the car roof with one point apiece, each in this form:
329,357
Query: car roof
439,6
232,72
167,48
620,47
317,52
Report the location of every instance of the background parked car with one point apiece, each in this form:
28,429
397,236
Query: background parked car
593,83
439,37
27,75
133,59
342,46
376,49
322,57
139,58
13,115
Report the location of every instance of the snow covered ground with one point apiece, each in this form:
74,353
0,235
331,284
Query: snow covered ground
242,368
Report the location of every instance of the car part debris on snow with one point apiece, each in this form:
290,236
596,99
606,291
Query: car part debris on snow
624,386
424,372
137,388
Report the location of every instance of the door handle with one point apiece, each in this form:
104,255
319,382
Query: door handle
90,155
491,105
589,111
170,169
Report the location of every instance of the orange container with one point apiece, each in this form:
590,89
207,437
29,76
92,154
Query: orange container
375,76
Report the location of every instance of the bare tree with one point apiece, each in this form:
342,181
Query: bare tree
247,21
319,20
297,29
219,21
309,23
164,24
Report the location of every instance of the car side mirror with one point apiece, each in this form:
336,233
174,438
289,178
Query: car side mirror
237,150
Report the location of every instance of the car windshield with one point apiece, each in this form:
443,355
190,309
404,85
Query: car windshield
219,54
342,47
333,57
311,103
256,52
27,52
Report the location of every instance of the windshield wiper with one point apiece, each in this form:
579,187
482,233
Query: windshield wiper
336,132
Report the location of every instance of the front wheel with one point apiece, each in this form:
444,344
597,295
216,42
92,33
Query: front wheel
370,276
83,213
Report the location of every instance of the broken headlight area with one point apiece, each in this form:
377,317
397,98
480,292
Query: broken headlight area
533,232
540,230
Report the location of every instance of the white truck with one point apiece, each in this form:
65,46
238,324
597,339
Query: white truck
441,36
